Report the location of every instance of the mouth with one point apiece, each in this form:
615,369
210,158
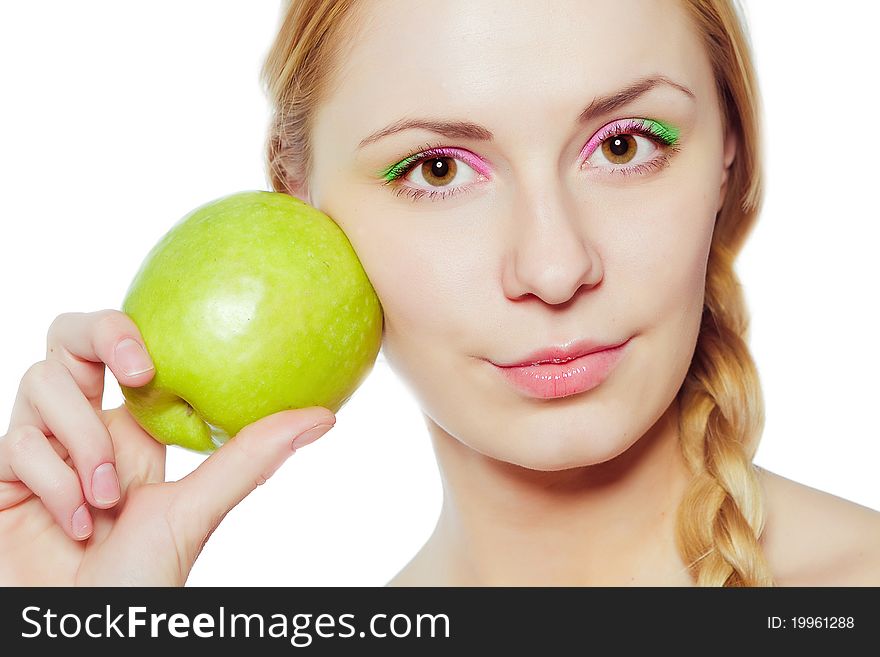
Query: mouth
554,375
562,353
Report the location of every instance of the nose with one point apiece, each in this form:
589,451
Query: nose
549,255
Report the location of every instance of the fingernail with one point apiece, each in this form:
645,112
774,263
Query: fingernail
105,484
131,357
82,522
310,436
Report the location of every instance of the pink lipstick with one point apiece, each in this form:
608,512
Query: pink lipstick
563,371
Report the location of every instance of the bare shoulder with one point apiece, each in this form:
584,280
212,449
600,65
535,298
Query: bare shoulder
814,538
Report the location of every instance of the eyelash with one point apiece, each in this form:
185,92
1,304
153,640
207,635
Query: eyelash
435,151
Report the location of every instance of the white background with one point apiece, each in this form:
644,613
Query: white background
118,118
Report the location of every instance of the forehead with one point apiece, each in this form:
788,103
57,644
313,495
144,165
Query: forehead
482,60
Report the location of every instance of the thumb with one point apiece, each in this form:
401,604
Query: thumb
232,472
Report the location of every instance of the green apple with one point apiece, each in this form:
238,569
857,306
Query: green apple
251,304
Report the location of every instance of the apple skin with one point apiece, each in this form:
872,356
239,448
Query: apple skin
251,304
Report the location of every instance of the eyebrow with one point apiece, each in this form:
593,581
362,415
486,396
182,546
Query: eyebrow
467,130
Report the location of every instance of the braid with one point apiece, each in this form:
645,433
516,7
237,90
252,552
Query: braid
721,516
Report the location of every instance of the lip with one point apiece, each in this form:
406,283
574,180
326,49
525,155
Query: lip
561,354
562,372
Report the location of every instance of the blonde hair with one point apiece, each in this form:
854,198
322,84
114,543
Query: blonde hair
721,517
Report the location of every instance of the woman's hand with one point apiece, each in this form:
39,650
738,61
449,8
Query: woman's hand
83,497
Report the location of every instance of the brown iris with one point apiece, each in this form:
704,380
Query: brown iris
439,171
620,149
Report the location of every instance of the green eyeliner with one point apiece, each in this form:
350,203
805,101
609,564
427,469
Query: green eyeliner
666,132
393,171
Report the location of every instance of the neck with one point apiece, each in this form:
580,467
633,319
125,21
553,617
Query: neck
611,523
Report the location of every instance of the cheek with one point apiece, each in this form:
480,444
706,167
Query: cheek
428,297
662,258
662,268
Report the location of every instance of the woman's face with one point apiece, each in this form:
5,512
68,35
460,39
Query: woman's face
528,230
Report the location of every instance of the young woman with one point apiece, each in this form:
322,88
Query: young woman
548,199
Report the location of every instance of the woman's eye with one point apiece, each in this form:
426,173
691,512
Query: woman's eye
441,172
623,149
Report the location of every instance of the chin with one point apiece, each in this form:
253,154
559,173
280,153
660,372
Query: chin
563,448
